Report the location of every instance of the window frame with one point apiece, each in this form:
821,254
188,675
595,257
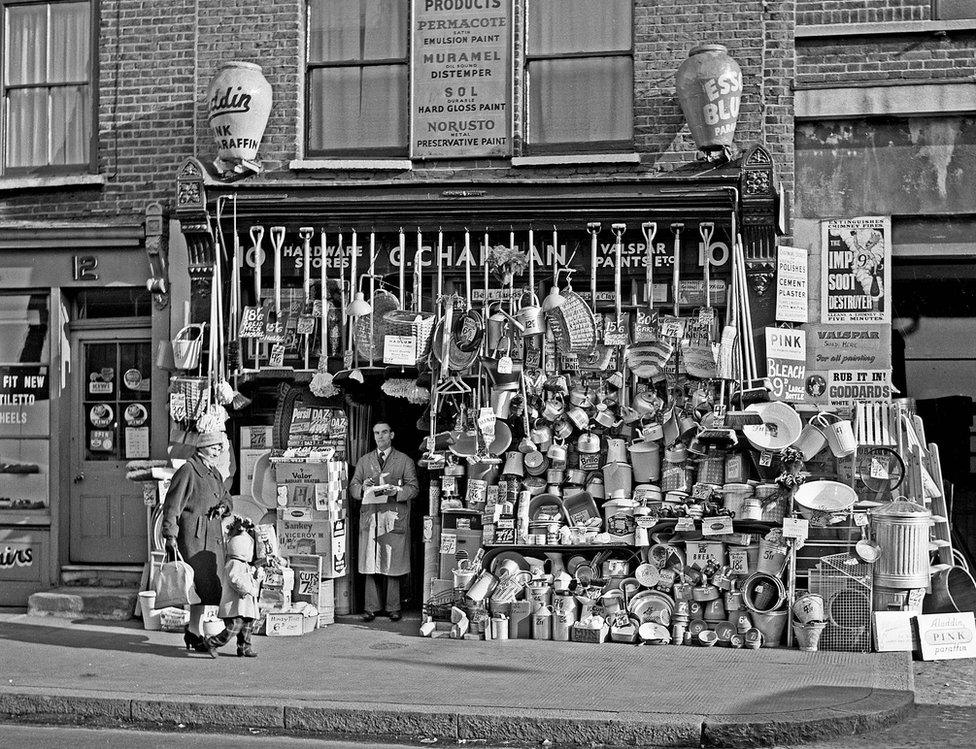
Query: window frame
379,151
571,147
954,15
87,167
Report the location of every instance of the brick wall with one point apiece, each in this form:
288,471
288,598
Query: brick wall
145,111
157,59
911,57
861,11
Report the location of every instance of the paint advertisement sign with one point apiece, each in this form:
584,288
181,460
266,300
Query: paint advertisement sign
462,93
847,386
786,363
947,636
856,270
791,284
833,350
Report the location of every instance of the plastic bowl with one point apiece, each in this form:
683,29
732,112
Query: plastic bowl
781,426
824,496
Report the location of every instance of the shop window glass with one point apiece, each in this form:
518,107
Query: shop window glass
24,402
948,10
117,402
580,75
357,76
91,305
24,328
47,107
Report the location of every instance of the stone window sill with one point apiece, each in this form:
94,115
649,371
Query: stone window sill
576,158
883,27
302,165
47,182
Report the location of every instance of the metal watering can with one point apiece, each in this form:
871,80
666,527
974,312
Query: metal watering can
531,317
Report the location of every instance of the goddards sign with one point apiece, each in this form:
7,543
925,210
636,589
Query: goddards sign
462,79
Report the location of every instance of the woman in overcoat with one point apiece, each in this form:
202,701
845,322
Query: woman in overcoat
195,503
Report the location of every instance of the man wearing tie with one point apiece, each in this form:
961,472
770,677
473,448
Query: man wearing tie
385,480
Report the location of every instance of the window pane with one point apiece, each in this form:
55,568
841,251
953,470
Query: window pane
27,127
357,108
70,43
70,125
26,44
563,26
23,329
357,30
575,101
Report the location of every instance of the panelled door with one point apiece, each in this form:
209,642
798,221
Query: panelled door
110,425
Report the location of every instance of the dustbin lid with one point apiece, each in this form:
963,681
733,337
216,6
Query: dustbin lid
900,508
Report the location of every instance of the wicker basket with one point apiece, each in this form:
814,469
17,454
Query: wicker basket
418,324
573,325
196,391
371,347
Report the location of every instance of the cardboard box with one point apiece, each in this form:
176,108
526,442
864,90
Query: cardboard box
301,473
894,631
288,624
308,579
465,541
325,538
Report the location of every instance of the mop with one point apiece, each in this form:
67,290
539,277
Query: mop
321,384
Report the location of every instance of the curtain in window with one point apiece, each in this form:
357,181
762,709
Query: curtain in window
355,30
48,125
566,26
582,100
358,107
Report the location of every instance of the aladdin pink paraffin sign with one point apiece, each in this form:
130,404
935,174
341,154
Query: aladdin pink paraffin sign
239,99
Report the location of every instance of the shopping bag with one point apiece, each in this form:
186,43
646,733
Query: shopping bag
174,584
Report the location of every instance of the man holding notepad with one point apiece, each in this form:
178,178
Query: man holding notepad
385,480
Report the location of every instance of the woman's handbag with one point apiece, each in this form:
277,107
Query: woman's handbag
174,584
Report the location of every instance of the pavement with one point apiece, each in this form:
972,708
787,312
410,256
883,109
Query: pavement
382,681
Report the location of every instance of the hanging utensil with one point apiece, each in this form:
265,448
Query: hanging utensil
593,228
255,258
676,269
707,316
306,233
615,334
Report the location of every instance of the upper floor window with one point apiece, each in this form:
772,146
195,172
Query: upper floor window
950,10
579,70
47,87
357,77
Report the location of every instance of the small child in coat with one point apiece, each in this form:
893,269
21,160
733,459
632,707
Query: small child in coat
241,583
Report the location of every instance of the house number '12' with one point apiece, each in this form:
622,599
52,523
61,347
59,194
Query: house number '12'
85,266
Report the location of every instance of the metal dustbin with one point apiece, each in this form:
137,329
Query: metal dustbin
901,529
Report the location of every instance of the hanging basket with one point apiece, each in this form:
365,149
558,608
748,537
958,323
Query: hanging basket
573,325
195,391
370,347
187,346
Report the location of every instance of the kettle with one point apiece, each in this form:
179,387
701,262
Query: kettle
588,443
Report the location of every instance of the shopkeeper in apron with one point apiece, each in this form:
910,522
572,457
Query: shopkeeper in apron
385,481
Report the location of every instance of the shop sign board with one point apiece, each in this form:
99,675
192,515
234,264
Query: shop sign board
791,284
786,361
833,350
846,387
461,73
856,270
947,636
25,406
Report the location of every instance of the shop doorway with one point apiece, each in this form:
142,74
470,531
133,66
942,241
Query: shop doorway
111,403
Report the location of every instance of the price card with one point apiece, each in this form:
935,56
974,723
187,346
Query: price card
615,330
277,357
253,321
570,362
798,528
684,524
486,420
644,327
879,470
672,327
504,365
860,519
716,526
738,561
400,349
448,543
449,484
306,325
765,458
